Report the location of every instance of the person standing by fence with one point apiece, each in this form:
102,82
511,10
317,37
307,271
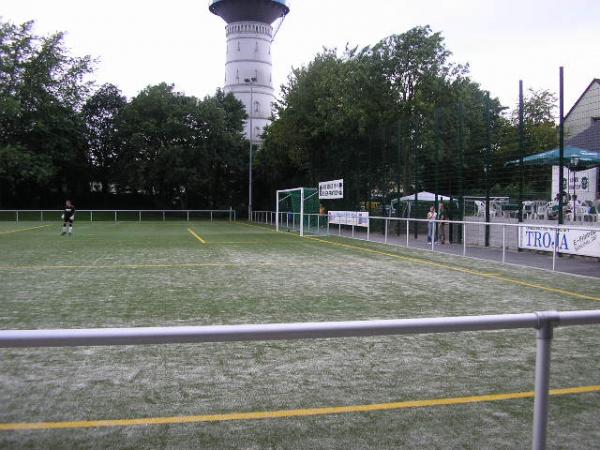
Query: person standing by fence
442,216
431,217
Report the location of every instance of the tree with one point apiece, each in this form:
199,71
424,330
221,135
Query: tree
372,116
181,150
102,115
41,89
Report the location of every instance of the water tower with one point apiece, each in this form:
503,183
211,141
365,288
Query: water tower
248,64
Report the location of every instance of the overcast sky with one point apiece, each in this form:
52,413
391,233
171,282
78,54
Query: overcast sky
179,41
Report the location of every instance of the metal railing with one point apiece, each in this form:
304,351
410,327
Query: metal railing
115,215
543,322
499,236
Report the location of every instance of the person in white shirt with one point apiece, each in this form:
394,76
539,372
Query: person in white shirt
431,216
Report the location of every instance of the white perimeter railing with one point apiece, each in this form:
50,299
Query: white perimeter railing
543,322
501,235
126,214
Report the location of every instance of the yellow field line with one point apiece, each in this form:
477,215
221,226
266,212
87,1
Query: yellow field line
196,236
459,269
237,243
136,266
281,414
162,266
23,229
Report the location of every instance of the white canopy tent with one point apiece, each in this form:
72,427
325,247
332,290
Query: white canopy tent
408,201
423,196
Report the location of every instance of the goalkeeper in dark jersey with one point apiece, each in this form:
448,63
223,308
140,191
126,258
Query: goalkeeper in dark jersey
68,215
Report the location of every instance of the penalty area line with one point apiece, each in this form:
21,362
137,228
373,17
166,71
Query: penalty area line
23,229
196,235
459,269
283,414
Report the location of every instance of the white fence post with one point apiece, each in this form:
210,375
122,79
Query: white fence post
554,249
503,243
464,239
385,235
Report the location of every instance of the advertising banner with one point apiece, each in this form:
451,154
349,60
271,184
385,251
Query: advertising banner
331,189
570,241
584,183
356,218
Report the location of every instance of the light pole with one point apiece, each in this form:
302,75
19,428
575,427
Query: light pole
250,81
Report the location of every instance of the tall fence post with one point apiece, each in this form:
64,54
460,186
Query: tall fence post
115,217
407,231
542,378
17,216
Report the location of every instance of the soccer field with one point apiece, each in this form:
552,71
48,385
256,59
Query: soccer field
128,274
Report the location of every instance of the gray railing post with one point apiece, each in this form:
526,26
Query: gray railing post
547,321
187,216
17,216
115,216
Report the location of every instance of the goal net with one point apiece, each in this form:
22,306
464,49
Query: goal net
297,209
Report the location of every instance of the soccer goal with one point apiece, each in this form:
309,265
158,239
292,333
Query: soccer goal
297,209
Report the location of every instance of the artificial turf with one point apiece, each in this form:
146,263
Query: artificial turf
129,274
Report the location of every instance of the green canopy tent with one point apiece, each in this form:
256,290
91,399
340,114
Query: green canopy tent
585,158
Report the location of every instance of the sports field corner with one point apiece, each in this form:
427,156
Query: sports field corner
465,390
